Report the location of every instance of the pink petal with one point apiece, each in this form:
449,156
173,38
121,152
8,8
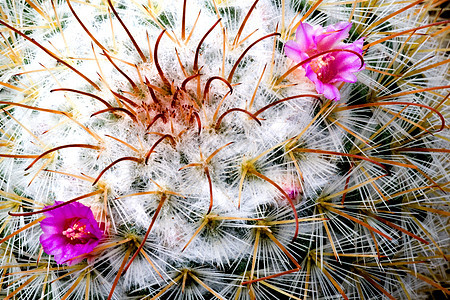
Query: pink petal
49,226
333,36
52,243
305,36
293,51
344,77
313,77
331,92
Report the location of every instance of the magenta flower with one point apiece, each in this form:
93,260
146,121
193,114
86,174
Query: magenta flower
326,71
69,231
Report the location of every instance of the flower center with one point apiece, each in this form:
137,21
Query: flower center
77,233
321,66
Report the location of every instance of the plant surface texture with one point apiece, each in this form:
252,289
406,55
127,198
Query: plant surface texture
224,149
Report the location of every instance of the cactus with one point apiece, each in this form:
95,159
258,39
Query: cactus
210,149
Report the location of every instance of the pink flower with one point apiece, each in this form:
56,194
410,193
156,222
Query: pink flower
326,71
69,231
